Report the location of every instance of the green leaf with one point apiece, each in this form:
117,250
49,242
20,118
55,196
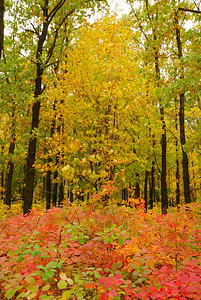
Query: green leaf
20,258
30,279
25,252
46,288
62,284
121,241
40,267
45,277
68,293
10,293
81,241
50,273
51,264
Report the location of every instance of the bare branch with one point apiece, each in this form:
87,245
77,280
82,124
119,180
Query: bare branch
190,10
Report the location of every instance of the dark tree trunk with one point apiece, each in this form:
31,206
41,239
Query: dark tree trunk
55,189
40,66
137,186
146,188
185,162
178,182
2,184
124,194
2,8
152,187
9,175
49,173
61,193
48,189
177,167
30,171
164,197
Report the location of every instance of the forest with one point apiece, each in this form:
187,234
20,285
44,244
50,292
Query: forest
100,134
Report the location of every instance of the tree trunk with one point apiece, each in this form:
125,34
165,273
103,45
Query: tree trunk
177,167
124,194
9,175
152,187
61,193
2,8
30,171
49,173
137,186
185,162
48,189
164,197
55,188
145,188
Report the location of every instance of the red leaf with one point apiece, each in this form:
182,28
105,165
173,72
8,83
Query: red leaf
104,296
112,293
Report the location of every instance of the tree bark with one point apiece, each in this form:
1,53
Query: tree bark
49,172
2,9
48,189
164,197
151,187
61,193
177,166
185,163
146,188
30,171
9,175
55,189
137,186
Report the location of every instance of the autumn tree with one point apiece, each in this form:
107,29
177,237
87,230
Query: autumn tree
99,84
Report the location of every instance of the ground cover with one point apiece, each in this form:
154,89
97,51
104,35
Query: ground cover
85,252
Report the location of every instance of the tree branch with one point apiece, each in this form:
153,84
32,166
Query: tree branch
190,10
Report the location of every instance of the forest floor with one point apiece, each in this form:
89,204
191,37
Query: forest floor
88,252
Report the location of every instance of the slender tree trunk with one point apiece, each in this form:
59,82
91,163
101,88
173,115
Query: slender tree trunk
9,175
48,188
2,8
177,167
1,55
55,189
61,193
146,188
49,172
137,186
185,163
152,187
164,197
